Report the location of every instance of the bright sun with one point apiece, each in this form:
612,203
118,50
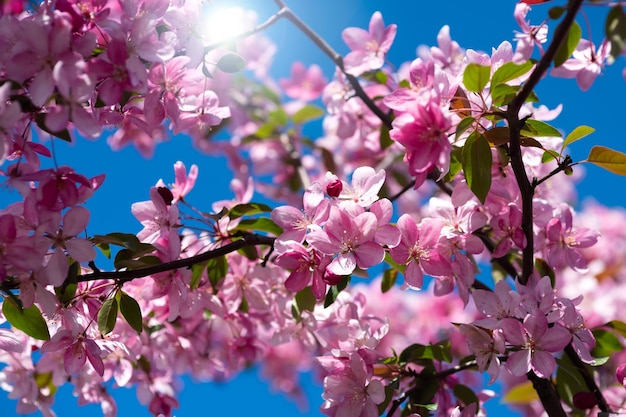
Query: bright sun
223,23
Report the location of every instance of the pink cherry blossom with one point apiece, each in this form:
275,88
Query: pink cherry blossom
530,36
305,84
351,392
351,238
586,63
536,341
419,250
76,351
368,48
485,345
308,267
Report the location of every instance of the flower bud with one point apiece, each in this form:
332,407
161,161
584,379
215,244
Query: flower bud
334,188
584,400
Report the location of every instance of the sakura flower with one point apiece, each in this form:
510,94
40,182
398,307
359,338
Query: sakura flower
536,341
485,345
620,374
423,131
503,302
308,267
305,84
419,250
9,342
368,48
77,349
296,223
564,242
351,392
159,220
586,63
184,182
364,188
351,238
530,36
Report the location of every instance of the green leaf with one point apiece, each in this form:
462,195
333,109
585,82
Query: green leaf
568,380
535,129
456,164
107,316
216,270
510,71
545,270
29,320
577,134
307,113
476,77
231,63
248,209
389,279
384,138
502,94
618,326
556,12
305,300
465,394
606,343
196,274
477,165
334,290
438,351
463,125
615,30
608,159
460,104
129,308
66,292
262,224
549,155
569,45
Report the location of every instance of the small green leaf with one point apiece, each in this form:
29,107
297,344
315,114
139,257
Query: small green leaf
510,71
262,224
476,77
608,159
498,135
465,394
389,279
384,138
568,380
549,155
438,351
196,274
577,134
305,300
248,209
29,320
606,343
568,45
615,30
307,113
556,12
460,104
216,270
477,161
334,291
107,316
618,326
455,164
463,125
129,307
502,94
231,63
535,129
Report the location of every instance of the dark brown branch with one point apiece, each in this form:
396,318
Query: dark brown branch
515,126
124,276
548,395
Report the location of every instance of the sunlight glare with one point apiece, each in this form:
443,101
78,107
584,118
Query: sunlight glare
222,23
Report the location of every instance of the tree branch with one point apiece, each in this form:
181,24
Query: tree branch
125,276
336,58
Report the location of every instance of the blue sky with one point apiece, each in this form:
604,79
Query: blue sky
479,25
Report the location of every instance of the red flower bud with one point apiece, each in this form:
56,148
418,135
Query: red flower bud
334,188
584,400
